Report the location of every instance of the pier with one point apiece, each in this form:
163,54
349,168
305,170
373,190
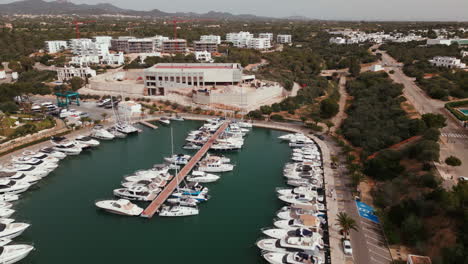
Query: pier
169,189
148,124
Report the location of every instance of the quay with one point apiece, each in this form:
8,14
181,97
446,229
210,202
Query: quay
147,124
169,189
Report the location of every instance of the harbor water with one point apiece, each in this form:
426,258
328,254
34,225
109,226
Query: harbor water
68,228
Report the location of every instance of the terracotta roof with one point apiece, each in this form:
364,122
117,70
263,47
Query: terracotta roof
419,259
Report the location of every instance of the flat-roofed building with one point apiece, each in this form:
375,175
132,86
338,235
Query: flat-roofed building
143,45
447,62
121,43
174,46
266,35
211,38
166,76
240,39
103,40
209,46
284,39
55,46
68,72
259,43
203,56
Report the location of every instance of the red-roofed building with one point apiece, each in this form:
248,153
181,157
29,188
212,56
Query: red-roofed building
415,259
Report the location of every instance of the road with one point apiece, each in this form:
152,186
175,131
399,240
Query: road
338,118
454,139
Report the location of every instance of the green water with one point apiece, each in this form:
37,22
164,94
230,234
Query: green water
67,228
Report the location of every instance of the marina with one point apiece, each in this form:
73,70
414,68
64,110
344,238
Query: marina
107,237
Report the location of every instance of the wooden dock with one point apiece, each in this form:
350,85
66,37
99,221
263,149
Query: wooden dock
170,188
148,124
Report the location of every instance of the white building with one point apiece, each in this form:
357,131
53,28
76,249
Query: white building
259,43
158,41
211,38
337,40
143,56
113,59
55,46
447,42
463,53
240,39
376,68
84,60
203,56
2,75
103,40
66,73
14,76
266,35
284,39
130,108
447,62
86,47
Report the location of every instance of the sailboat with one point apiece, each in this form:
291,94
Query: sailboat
123,125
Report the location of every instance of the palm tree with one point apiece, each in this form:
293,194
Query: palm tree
104,115
346,223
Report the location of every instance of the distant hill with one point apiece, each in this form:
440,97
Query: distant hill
61,7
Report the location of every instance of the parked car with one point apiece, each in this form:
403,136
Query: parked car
103,102
348,250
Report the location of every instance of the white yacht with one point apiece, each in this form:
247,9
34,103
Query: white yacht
116,133
165,120
5,205
6,212
291,258
125,128
121,207
51,152
300,199
12,230
225,146
42,164
13,187
289,137
244,124
178,210
184,201
200,176
218,158
100,133
176,118
19,177
66,146
43,156
279,233
8,197
214,166
136,193
178,159
28,170
312,222
153,183
87,141
191,146
271,245
13,253
309,243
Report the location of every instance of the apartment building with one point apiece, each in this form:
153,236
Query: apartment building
203,56
142,45
447,62
68,72
209,46
259,43
158,41
174,46
266,35
121,43
55,46
284,39
211,38
103,40
87,47
240,39
337,40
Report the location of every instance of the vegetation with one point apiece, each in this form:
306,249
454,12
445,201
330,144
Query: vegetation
346,223
453,161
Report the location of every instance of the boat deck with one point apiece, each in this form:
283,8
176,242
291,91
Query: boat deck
169,189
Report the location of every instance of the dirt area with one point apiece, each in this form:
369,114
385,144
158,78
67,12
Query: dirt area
445,236
410,110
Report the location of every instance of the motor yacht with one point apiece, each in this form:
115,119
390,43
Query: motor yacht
12,230
164,121
8,197
289,137
6,212
100,133
28,170
300,199
136,193
19,177
51,152
272,245
154,183
178,210
279,233
310,222
43,156
178,159
121,207
289,212
87,141
5,205
202,177
126,128
309,243
194,195
41,164
244,124
291,258
214,166
14,253
183,200
116,133
13,187
225,146
66,146
191,146
176,118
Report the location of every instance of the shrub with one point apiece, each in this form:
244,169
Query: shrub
453,161
277,117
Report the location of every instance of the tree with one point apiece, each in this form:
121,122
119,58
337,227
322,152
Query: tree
104,116
15,66
453,161
354,67
329,125
432,134
76,83
328,108
27,63
346,223
434,120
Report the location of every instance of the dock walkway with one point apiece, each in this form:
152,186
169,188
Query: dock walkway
148,124
169,189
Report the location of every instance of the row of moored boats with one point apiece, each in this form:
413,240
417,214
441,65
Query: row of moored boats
301,225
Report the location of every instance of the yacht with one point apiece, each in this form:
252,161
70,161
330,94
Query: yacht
136,193
225,146
5,205
178,159
51,152
8,197
176,118
87,141
13,187
19,177
43,156
126,128
279,233
191,146
200,176
165,120
217,158
47,166
194,195
65,146
121,207
216,166
272,245
289,137
184,201
311,222
178,210
244,124
292,212
291,258
299,199
14,253
28,170
6,212
116,133
152,184
309,243
12,230
5,241
100,133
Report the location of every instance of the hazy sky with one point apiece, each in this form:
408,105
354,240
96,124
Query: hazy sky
320,9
